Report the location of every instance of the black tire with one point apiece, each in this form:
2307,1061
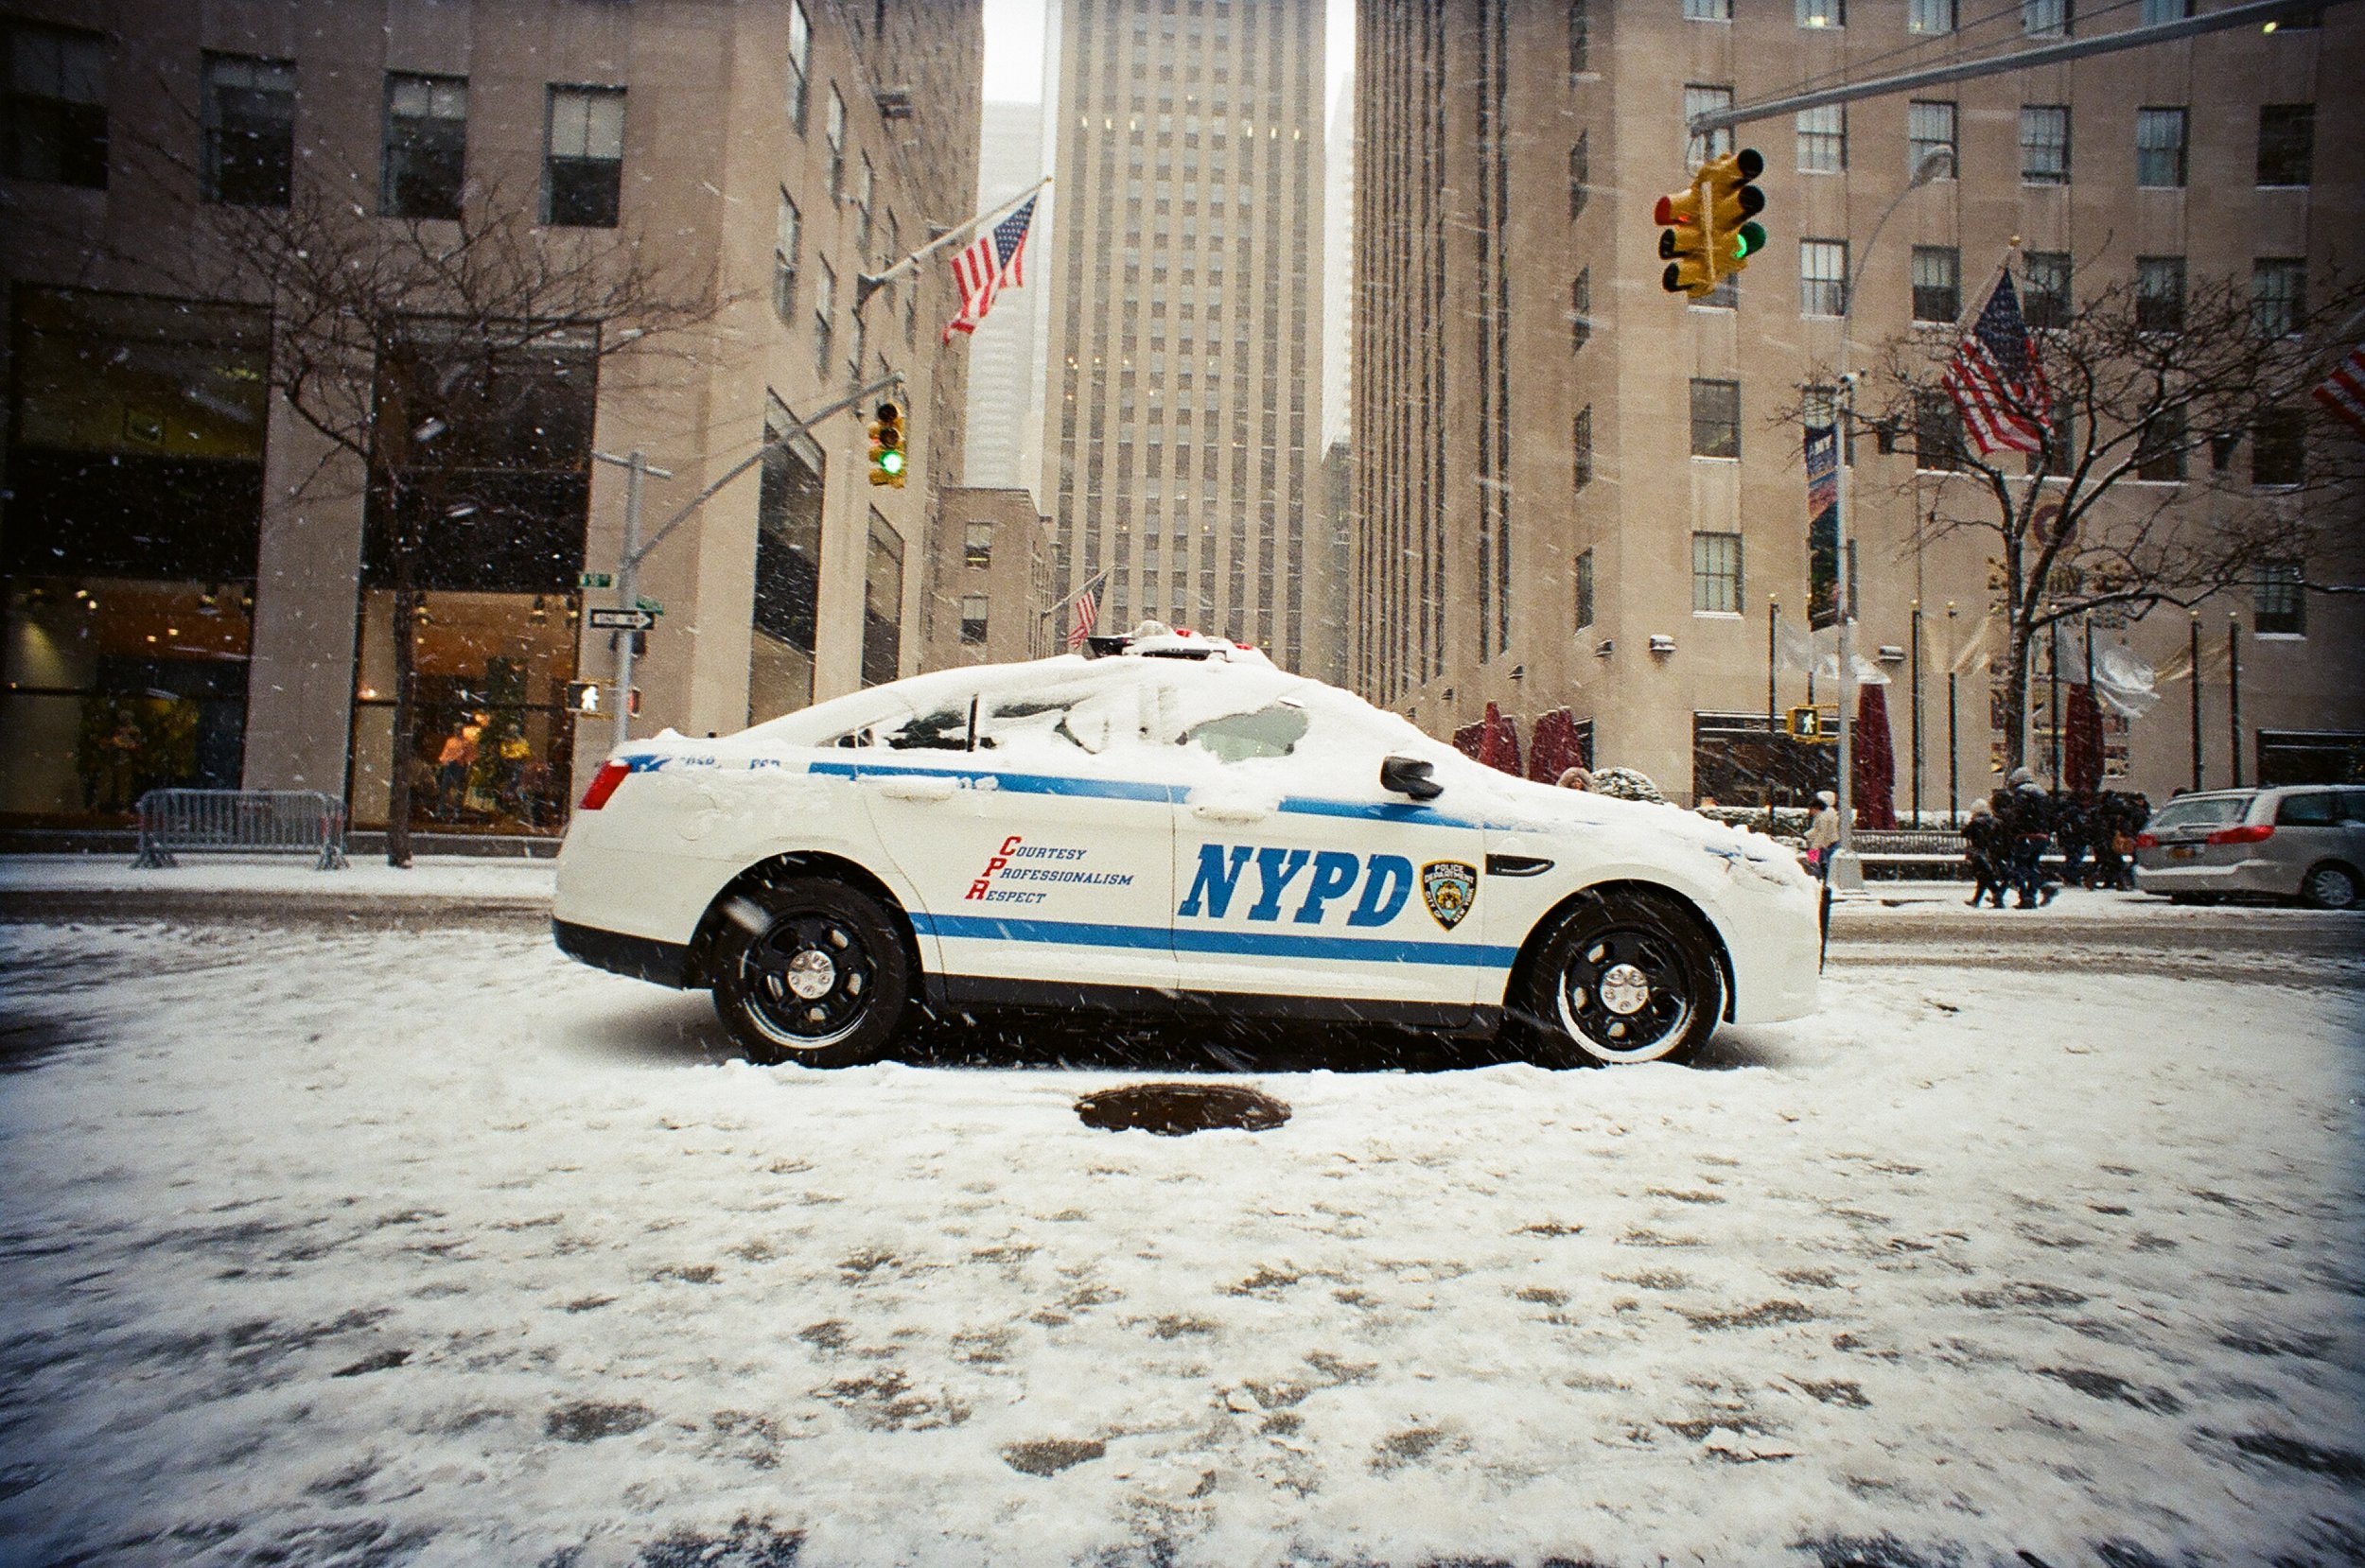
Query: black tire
2329,885
783,939
1664,993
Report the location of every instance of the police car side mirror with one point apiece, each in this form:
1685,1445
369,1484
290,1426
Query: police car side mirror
1409,776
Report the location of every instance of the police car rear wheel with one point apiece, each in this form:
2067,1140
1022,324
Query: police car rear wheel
1626,978
811,971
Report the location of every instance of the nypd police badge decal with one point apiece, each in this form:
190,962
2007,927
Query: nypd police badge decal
1450,887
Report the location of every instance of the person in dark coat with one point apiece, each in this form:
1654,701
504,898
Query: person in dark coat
1983,843
2072,835
2030,824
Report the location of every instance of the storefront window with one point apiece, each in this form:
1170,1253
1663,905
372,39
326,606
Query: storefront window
116,686
494,741
127,535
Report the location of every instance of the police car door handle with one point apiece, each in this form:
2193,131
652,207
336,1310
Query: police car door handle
1218,812
912,787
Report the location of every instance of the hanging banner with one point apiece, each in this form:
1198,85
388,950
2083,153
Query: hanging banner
1822,525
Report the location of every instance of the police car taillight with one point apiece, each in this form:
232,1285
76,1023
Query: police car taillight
603,784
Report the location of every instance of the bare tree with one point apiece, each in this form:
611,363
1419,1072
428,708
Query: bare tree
401,341
2143,388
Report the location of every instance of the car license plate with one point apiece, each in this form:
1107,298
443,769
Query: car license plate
2184,852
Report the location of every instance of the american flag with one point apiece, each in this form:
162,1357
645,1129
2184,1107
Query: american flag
1996,383
2343,390
1081,619
988,265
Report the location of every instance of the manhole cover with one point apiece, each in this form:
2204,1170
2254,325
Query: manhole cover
1172,1109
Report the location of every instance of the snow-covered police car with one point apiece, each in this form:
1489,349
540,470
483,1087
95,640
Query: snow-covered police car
1175,824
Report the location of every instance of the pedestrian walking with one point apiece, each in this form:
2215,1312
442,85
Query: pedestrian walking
1823,833
2072,835
1982,845
2027,814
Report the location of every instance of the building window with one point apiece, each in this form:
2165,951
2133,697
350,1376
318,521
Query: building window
1716,573
836,132
1929,16
1715,419
785,613
1822,14
1581,310
1708,10
2157,11
1724,296
787,236
1706,100
1930,128
1584,590
882,604
2159,293
799,65
1937,433
1580,443
2160,148
1580,174
1580,36
2044,295
249,130
977,545
2160,446
2044,148
2287,144
1823,139
824,319
582,171
2044,18
1823,277
2278,295
57,124
974,619
2279,599
866,186
1937,283
2278,448
426,147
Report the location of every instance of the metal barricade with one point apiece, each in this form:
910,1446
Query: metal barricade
256,822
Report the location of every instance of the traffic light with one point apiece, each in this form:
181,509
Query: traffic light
886,446
1733,200
1683,245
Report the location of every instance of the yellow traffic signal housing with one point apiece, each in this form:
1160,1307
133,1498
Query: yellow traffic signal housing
1733,200
888,461
1684,244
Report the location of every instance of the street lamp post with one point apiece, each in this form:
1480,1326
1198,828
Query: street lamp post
1847,873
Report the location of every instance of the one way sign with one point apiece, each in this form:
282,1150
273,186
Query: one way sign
624,621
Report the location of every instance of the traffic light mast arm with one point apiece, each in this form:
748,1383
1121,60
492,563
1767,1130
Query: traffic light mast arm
2255,13
881,384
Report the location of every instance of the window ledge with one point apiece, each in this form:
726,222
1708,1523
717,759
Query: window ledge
2280,637
1710,457
1716,615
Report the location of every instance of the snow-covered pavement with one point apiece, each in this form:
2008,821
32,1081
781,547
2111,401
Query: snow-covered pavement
419,1246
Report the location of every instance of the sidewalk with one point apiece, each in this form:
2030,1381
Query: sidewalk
440,888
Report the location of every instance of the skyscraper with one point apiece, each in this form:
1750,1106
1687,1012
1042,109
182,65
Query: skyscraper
1182,415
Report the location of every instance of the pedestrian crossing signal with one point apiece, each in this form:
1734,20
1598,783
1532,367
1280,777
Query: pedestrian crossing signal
1816,725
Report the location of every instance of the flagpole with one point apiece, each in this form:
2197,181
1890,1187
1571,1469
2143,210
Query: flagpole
868,283
2194,673
1953,756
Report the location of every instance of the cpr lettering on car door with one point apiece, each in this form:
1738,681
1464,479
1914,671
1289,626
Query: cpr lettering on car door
1045,855
1294,879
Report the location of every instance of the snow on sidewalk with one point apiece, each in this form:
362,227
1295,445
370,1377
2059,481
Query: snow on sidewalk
429,876
434,1247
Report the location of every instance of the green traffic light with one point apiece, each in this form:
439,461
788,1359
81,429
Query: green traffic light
891,463
1748,240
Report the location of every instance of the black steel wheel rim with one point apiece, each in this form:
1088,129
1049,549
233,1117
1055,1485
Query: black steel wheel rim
792,957
2332,887
1598,993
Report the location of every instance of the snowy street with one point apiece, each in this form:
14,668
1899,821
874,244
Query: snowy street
403,1239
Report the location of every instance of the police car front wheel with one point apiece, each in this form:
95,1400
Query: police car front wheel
809,970
1627,977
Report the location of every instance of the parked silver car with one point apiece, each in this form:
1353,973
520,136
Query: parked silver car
2304,841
